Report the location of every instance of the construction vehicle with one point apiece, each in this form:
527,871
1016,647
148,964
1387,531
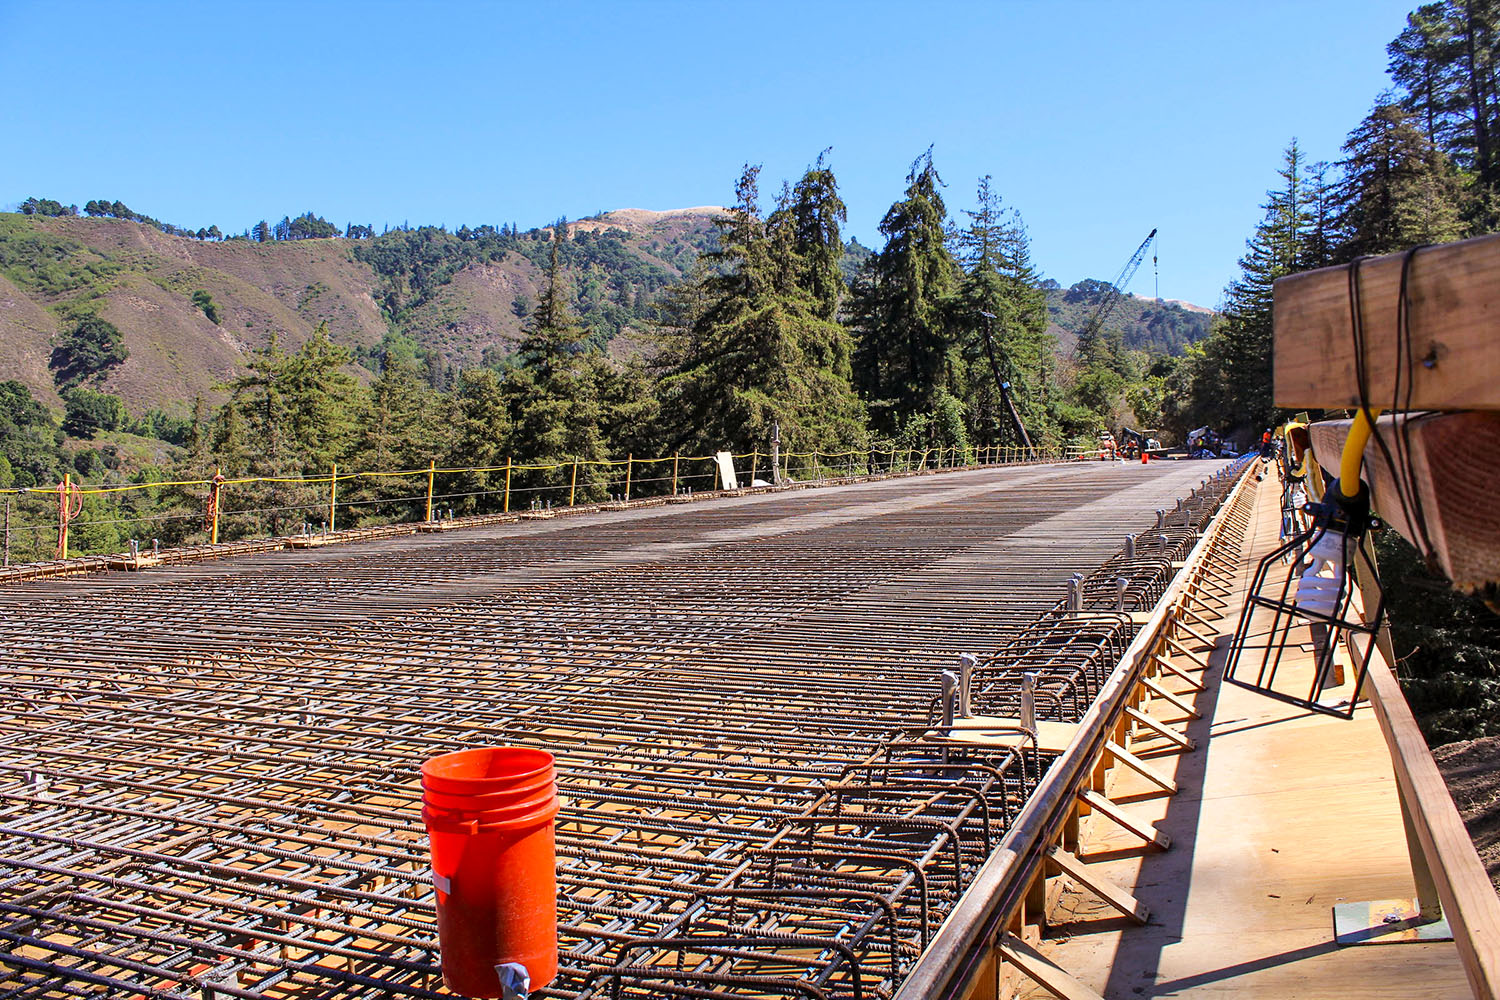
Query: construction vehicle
1205,443
1133,443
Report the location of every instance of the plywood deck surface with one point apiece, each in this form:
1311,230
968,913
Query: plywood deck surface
1281,815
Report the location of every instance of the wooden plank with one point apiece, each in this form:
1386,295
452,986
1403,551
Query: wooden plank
1042,970
995,730
1469,901
1100,886
1140,767
1141,829
1453,321
1457,484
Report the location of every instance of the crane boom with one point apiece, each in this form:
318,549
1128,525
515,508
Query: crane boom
1116,290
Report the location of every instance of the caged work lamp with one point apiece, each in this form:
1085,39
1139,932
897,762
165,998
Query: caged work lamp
1302,596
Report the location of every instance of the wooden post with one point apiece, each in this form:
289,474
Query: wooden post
7,532
63,489
775,453
754,459
431,470
506,509
333,496
674,473
629,467
573,488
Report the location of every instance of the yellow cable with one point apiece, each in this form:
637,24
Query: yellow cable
1354,451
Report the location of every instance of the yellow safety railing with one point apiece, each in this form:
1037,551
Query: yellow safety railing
541,483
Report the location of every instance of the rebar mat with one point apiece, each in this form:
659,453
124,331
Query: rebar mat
208,774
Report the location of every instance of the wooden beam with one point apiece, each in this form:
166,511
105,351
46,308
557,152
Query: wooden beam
1453,459
1469,900
1100,886
1042,970
1453,321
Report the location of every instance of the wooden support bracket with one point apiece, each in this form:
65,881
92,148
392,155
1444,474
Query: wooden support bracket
1171,736
1190,654
1140,767
1070,865
1205,639
1178,672
1150,834
1042,970
1184,609
1170,698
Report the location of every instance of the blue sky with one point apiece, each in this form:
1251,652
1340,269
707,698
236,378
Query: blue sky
1098,120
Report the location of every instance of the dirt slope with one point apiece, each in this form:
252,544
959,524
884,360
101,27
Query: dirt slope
1472,771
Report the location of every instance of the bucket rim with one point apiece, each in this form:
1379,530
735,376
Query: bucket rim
528,762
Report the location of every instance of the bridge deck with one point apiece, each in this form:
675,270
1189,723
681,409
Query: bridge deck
1282,814
208,774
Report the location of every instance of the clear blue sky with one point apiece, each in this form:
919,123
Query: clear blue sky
1097,120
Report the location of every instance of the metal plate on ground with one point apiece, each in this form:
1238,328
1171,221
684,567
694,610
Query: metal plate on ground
1385,921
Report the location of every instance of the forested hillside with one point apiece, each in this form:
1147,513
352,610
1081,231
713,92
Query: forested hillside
1157,327
138,352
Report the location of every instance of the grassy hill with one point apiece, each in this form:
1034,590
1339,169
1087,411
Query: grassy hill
1157,326
461,297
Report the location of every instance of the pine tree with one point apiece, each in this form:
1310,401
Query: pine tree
397,426
1002,312
291,414
807,223
902,314
1445,63
759,351
1422,62
1398,189
554,390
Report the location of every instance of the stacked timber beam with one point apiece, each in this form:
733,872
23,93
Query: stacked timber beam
1441,353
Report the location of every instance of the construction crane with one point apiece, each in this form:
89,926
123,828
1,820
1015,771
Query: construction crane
1116,291
1010,405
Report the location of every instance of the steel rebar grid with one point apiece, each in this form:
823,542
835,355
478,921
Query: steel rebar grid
208,783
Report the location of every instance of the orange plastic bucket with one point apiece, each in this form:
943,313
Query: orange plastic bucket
494,865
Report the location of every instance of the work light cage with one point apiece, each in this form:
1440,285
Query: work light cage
1301,598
